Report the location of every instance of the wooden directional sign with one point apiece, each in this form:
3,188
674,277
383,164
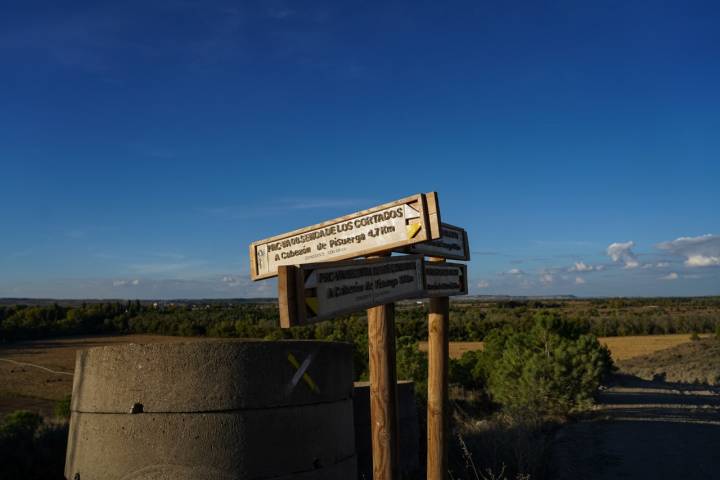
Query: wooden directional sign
310,293
445,279
453,244
380,229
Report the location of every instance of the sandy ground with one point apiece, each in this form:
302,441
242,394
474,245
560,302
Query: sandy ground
644,429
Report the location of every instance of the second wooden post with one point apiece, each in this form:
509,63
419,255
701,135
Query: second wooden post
438,411
383,392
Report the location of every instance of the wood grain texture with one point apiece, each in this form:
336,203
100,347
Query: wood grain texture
430,230
383,392
289,302
438,406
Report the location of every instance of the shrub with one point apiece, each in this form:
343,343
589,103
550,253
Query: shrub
470,370
30,449
552,368
62,408
412,365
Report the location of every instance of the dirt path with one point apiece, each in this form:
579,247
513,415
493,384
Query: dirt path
642,429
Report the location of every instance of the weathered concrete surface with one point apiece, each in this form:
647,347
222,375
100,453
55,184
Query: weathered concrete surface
247,444
408,423
305,431
209,376
340,471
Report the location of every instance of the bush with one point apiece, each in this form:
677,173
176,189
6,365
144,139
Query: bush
412,365
552,368
29,449
470,370
62,408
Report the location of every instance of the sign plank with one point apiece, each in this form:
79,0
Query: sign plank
315,292
311,293
377,230
453,244
445,279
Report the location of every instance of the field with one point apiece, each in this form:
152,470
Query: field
24,385
621,348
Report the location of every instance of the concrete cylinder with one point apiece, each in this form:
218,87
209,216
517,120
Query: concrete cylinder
408,424
213,410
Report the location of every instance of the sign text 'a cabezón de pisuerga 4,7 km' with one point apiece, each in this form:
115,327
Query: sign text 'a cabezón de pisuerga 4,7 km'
380,229
314,292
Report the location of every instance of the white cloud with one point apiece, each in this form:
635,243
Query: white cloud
515,271
670,276
581,267
546,278
231,281
702,261
126,283
579,281
701,251
662,265
622,253
483,284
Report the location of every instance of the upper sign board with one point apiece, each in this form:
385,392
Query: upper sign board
453,244
380,229
310,293
445,279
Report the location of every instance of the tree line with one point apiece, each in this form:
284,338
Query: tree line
469,321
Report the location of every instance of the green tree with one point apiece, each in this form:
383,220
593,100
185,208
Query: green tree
552,368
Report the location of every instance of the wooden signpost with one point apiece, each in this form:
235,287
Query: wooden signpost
315,292
378,230
445,279
320,291
316,281
452,245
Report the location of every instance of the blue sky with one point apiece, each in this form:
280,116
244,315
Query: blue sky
144,145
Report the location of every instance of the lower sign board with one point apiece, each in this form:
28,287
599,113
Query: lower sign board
445,279
315,292
384,228
453,244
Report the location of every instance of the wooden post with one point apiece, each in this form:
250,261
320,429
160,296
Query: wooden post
438,411
383,392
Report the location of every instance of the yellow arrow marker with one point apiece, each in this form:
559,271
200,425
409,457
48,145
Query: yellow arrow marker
413,229
310,383
312,302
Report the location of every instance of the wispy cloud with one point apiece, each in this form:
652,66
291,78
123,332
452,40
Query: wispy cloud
126,283
282,206
670,276
154,268
546,278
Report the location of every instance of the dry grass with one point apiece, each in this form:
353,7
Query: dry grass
621,348
29,388
691,362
